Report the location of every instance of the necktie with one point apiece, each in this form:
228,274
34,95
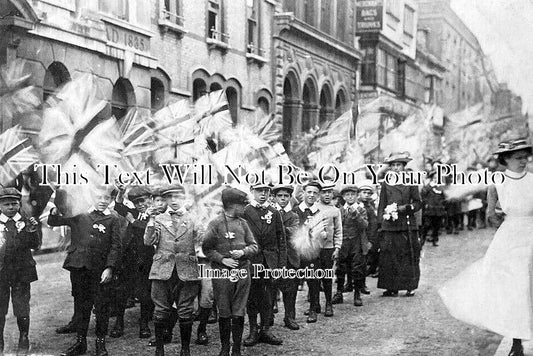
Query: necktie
175,216
11,227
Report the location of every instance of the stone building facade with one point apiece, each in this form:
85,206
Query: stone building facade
146,54
469,78
316,63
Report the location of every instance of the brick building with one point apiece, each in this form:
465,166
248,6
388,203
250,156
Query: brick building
316,63
469,77
146,53
476,107
392,81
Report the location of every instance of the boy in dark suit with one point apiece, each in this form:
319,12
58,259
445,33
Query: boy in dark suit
18,236
93,256
291,222
174,273
137,259
267,227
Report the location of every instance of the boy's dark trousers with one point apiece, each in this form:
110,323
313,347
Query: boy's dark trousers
432,223
89,292
20,294
260,300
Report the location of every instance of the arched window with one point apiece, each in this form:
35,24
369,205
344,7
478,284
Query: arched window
157,94
199,89
326,106
263,104
309,105
56,75
340,103
215,86
291,106
233,103
123,98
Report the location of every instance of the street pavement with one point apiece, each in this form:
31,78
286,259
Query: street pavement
419,325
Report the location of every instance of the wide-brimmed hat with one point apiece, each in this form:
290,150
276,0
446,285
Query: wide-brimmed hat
10,193
402,157
513,145
286,187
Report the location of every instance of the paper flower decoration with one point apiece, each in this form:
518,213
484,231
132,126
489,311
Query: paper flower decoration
391,212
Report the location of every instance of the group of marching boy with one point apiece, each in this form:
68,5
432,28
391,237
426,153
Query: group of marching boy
157,251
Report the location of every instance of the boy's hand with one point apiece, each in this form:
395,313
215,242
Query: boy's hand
33,221
130,217
236,254
120,186
107,275
151,211
230,262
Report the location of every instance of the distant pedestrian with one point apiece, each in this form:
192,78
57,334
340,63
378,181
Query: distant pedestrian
433,209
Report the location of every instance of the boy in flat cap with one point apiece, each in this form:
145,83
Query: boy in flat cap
282,195
354,245
136,259
229,244
18,236
366,193
92,258
174,271
305,211
330,248
267,228
160,205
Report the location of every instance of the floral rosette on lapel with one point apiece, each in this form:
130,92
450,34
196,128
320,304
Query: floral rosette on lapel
391,212
267,217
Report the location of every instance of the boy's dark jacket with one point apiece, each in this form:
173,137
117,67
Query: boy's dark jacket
269,235
16,261
95,240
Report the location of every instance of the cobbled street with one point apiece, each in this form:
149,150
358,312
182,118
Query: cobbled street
383,326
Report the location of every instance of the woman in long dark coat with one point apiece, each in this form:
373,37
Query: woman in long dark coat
399,244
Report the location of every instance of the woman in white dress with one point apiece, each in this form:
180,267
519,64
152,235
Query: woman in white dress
496,292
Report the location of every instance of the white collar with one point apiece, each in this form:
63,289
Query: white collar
256,204
105,212
287,207
515,175
313,208
4,218
180,211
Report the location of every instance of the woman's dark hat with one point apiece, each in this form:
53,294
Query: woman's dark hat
402,157
513,145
